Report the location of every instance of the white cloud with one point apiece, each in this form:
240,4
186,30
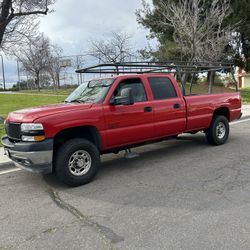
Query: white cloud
75,23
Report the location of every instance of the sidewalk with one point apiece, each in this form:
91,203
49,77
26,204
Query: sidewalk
5,160
245,110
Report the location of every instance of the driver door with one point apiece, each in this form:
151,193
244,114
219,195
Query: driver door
129,124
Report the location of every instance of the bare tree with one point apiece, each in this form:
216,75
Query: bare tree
35,57
198,26
114,50
41,60
54,66
17,19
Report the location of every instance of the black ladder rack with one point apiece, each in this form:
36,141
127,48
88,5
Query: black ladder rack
177,68
154,67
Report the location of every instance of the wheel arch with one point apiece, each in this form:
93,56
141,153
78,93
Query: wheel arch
224,111
90,133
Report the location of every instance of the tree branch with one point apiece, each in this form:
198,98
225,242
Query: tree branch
31,13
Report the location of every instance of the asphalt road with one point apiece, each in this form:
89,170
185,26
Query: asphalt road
181,194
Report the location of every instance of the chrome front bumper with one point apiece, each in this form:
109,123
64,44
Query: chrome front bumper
36,157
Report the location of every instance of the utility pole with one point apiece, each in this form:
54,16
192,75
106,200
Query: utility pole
78,66
78,62
18,74
4,87
99,59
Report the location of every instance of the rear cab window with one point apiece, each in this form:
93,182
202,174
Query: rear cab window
162,88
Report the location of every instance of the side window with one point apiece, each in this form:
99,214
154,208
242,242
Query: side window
137,89
162,88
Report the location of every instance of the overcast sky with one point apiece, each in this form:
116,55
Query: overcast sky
74,23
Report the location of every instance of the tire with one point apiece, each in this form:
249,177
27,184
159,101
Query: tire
77,162
218,132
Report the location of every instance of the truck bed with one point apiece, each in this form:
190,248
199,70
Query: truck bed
200,108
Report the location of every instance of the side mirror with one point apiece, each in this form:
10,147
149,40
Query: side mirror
126,98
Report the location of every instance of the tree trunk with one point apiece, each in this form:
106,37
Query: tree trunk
184,81
191,83
37,81
5,17
54,85
58,80
211,78
2,30
117,70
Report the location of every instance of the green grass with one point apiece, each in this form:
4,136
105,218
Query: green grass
49,91
11,102
245,95
2,131
203,89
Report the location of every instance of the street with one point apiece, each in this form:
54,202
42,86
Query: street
179,194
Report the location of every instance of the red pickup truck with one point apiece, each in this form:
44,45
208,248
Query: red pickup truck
110,115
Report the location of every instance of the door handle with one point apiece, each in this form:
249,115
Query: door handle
148,109
177,106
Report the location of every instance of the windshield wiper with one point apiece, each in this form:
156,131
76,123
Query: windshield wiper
77,100
91,99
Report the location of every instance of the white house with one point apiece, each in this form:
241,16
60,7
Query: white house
246,80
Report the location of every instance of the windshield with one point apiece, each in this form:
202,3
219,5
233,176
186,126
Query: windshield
93,91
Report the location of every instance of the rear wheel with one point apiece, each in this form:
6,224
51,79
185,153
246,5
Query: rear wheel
77,162
218,132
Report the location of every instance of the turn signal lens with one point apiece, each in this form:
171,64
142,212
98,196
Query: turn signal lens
39,137
36,138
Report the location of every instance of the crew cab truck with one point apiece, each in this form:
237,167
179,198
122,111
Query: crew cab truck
109,115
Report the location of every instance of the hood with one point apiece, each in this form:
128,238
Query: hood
31,114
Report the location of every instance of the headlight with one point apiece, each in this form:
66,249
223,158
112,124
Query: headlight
26,127
32,132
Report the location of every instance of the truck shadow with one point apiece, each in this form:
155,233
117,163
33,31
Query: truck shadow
112,163
185,172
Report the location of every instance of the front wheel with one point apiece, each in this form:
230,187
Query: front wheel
77,162
218,132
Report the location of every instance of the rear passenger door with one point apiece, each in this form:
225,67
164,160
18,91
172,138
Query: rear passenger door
168,106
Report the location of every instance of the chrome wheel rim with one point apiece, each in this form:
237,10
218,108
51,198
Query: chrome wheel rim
79,163
220,130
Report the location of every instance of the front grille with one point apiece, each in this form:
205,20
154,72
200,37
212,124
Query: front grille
13,131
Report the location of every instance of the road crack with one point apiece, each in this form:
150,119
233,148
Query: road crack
107,234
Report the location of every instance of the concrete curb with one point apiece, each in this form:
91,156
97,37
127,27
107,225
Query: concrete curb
6,164
245,117
4,160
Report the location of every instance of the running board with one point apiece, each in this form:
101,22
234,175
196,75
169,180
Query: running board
130,155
